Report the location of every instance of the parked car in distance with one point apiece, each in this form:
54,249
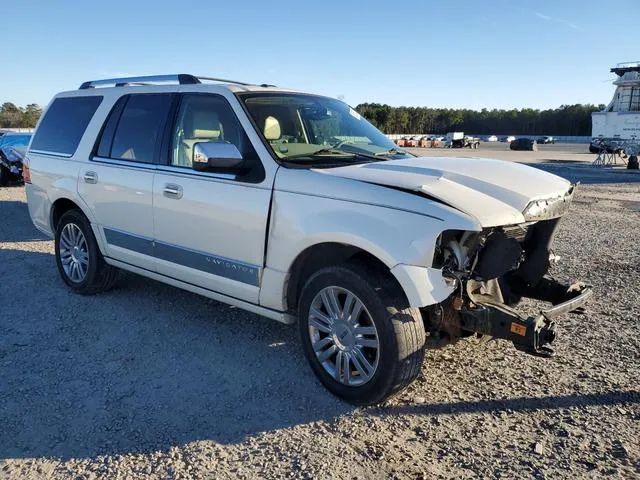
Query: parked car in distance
12,149
11,159
597,145
507,139
411,142
436,141
293,206
524,144
492,138
605,145
16,139
546,139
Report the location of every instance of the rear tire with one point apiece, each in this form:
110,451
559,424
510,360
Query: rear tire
397,329
80,263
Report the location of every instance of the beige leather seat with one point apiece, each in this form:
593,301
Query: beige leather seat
205,127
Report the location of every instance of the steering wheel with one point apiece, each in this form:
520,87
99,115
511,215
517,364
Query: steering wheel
340,142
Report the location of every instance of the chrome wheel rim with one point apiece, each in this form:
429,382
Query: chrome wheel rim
73,252
343,336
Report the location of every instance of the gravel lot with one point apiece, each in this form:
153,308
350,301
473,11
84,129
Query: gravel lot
152,381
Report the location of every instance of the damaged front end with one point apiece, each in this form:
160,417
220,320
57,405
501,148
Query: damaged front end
496,268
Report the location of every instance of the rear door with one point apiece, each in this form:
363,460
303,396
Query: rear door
210,228
117,183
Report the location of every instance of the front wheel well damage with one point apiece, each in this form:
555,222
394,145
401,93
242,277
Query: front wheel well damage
323,255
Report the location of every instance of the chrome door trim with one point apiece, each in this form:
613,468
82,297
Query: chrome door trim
124,163
229,178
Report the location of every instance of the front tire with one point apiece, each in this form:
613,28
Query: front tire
359,334
78,256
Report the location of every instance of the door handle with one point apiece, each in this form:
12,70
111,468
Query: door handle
171,190
90,177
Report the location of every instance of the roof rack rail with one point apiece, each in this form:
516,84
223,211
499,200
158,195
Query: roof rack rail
181,78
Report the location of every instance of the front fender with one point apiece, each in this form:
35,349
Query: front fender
393,236
403,241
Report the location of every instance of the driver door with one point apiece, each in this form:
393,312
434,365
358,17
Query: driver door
209,228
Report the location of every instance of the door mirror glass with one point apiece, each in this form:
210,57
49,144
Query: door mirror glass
217,157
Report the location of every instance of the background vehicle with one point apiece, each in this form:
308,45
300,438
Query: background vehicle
11,159
15,139
317,219
12,149
492,138
546,139
605,145
460,140
454,139
436,141
471,142
508,139
411,142
524,144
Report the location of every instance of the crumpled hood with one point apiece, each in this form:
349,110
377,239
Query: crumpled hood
495,192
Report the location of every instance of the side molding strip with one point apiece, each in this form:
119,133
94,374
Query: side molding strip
220,266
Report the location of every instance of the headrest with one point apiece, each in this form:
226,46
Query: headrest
204,124
272,128
201,133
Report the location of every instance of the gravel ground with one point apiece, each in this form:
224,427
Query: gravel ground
151,381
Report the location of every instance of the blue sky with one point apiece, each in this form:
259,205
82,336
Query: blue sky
456,53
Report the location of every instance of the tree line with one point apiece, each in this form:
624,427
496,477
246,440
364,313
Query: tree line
12,116
564,120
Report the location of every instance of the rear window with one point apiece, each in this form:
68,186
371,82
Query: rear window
64,123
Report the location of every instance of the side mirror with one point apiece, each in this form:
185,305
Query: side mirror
217,157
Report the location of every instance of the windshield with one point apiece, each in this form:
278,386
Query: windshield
299,128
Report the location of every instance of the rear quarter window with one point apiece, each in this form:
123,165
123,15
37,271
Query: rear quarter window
64,124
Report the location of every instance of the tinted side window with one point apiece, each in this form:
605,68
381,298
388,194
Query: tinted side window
109,128
139,130
62,127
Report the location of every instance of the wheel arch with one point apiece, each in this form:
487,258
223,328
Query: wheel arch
63,204
319,255
58,208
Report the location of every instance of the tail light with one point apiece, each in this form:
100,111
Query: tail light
26,173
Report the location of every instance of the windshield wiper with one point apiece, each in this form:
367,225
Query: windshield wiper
333,161
322,151
391,151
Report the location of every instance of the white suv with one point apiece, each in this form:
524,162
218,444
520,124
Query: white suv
293,206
